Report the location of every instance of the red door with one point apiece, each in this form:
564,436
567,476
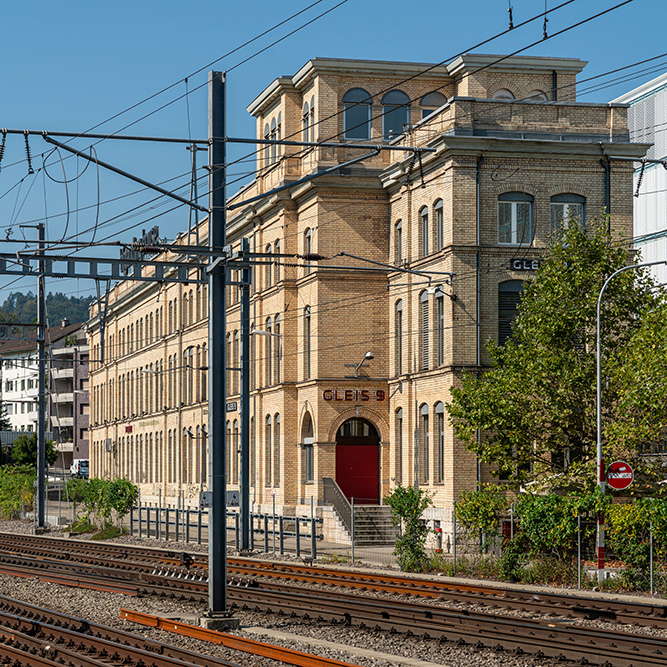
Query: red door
358,465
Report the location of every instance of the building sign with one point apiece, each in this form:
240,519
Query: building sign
620,475
136,250
232,406
354,395
525,264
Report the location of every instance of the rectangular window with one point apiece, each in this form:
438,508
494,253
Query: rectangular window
562,214
440,329
514,222
440,425
424,457
424,335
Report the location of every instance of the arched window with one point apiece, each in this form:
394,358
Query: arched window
423,437
228,373
440,325
439,225
269,268
191,309
236,364
268,452
279,134
567,208
185,309
307,246
398,329
423,330
503,94
430,102
306,122
423,231
536,96
399,445
398,243
395,114
515,218
274,147
278,347
306,342
509,296
235,453
268,358
308,448
267,149
357,114
312,118
276,265
276,450
204,377
440,442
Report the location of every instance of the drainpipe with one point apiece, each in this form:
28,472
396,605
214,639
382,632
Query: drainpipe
606,165
478,292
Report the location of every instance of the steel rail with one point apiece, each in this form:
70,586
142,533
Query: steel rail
654,613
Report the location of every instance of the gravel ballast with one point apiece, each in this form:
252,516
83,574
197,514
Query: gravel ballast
348,644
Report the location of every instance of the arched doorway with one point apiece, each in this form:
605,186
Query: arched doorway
358,461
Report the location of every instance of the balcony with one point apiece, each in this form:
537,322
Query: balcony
62,398
62,422
62,373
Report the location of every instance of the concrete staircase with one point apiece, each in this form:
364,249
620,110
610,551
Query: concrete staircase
373,526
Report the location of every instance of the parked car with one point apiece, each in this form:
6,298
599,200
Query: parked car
80,468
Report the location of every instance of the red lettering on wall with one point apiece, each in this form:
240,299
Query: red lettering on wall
379,395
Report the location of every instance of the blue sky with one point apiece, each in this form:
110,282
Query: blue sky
72,65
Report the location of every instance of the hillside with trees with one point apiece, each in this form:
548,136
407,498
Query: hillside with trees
20,307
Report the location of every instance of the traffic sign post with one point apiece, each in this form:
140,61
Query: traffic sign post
620,475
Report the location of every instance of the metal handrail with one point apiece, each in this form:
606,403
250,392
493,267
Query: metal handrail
334,496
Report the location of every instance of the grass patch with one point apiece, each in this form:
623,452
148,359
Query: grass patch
108,533
82,526
336,558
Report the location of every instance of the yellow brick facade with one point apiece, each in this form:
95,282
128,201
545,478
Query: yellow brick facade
148,398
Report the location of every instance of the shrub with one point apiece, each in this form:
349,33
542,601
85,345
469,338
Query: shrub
408,504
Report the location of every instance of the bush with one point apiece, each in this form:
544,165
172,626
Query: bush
408,505
24,451
17,490
480,511
101,498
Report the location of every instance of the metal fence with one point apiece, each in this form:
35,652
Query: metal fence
270,533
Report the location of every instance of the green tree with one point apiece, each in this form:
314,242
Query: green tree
536,406
24,450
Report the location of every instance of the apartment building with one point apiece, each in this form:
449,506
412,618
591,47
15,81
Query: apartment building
67,388
352,360
647,115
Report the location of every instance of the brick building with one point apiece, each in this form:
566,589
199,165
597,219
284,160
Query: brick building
515,154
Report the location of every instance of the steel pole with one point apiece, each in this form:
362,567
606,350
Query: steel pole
41,385
598,409
217,482
244,500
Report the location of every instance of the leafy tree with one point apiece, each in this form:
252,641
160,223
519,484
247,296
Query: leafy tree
24,450
480,512
5,423
19,307
536,406
408,505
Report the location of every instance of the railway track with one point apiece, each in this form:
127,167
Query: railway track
545,638
188,573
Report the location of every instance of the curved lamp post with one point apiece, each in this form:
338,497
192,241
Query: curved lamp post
600,459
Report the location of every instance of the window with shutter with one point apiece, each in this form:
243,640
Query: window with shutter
509,296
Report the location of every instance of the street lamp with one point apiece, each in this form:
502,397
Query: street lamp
367,357
599,457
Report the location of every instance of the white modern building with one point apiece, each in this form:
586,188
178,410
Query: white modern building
647,123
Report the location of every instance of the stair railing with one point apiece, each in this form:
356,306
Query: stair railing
335,497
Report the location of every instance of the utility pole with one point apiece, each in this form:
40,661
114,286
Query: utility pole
217,615
41,385
244,500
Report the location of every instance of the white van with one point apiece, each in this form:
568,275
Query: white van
80,468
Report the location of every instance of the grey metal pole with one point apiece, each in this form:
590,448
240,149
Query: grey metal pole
650,527
598,404
454,536
41,385
578,551
244,499
352,536
217,324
